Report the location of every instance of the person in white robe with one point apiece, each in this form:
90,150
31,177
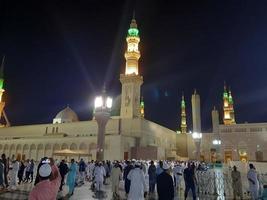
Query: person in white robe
138,189
99,174
178,176
116,176
253,182
14,175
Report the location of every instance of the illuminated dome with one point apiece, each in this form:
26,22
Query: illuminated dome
66,115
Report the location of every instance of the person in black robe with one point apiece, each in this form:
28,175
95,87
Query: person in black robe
165,186
127,182
21,171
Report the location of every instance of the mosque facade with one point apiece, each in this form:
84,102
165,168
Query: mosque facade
128,135
228,141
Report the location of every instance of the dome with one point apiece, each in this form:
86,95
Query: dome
66,115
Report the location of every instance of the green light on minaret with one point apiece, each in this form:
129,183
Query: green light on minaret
230,98
133,32
1,83
2,73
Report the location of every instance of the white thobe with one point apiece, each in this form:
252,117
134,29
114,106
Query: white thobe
99,174
178,178
14,174
253,188
138,186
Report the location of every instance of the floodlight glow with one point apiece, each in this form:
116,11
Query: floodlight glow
196,135
109,102
98,102
216,142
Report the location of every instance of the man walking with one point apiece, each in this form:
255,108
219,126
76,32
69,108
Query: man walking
115,180
190,180
138,185
63,170
165,184
6,168
237,184
152,177
82,167
253,182
178,175
127,182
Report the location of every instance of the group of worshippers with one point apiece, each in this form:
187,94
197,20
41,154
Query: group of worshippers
159,177
254,184
13,172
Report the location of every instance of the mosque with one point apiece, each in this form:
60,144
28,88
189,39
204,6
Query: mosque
128,135
228,141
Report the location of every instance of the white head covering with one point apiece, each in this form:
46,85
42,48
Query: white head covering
45,170
165,165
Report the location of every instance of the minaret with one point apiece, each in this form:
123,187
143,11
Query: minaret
226,107
215,120
2,79
196,112
142,108
231,107
131,80
183,116
2,103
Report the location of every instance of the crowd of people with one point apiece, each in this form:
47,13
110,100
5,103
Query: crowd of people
139,179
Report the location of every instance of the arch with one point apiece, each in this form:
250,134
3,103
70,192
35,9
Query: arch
12,151
73,146
48,150
83,146
40,151
5,150
18,148
25,151
92,146
56,147
33,151
64,146
92,149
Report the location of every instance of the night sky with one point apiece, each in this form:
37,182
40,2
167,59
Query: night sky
61,52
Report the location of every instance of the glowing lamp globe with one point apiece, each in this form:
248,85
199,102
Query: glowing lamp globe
196,135
103,102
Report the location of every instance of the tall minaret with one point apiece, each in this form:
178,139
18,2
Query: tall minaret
131,80
231,107
183,116
142,108
226,111
2,103
196,112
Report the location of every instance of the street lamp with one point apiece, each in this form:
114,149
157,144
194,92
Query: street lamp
103,106
197,138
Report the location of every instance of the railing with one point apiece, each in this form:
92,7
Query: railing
218,182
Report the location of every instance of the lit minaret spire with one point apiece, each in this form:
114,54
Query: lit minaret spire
2,79
231,107
228,107
132,53
183,116
142,107
2,103
131,81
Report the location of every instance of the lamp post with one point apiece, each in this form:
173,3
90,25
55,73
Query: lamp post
103,106
197,138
